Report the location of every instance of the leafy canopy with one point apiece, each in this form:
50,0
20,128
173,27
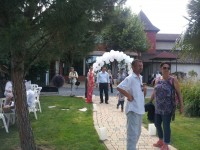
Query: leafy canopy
189,42
35,29
125,32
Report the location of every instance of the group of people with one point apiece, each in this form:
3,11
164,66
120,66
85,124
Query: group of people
134,90
9,104
104,81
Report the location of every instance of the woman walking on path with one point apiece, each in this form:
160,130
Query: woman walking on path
164,93
90,85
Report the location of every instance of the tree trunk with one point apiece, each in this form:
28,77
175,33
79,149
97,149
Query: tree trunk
25,131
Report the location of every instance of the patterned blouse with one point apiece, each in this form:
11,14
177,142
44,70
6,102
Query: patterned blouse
163,97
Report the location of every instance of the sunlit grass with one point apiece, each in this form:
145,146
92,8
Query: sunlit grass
63,127
185,132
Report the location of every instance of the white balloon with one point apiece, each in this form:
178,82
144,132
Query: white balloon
111,59
101,63
107,61
124,61
131,59
112,51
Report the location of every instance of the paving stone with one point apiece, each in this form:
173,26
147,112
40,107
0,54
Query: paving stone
106,115
115,122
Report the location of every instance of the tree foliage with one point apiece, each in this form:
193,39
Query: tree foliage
192,73
125,32
189,42
31,30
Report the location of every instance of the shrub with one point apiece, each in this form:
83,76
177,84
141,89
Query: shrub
58,81
191,97
192,73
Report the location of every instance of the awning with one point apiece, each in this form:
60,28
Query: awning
164,56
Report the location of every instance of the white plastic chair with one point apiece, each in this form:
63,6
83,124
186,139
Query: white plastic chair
37,99
34,110
2,114
34,87
32,106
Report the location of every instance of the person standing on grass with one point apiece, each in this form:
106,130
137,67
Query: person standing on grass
90,85
164,90
104,82
73,76
132,88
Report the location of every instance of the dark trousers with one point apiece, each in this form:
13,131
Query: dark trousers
120,103
103,87
111,88
165,119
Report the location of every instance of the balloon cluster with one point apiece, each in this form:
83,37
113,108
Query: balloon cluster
108,57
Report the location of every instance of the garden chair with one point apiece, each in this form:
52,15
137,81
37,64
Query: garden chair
37,99
33,108
2,114
34,87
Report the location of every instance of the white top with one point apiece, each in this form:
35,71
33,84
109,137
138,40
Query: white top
8,90
103,77
30,98
73,76
133,85
158,75
28,85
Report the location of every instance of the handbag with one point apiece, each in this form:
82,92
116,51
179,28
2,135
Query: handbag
174,98
77,83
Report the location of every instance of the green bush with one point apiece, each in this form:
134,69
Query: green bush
191,98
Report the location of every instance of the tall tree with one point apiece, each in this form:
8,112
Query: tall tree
189,41
125,32
29,29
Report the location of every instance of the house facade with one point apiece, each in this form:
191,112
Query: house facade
161,49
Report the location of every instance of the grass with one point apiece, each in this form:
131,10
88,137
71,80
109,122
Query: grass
59,129
185,132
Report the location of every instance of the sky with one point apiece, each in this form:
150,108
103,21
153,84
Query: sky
167,15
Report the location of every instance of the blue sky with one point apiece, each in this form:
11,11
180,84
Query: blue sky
167,15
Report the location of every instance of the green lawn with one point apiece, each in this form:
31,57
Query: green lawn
59,129
185,132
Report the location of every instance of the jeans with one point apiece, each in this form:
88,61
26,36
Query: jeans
165,119
134,123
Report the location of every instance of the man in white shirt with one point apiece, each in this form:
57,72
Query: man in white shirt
104,82
132,88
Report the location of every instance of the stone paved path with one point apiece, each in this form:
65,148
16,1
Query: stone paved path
114,120
107,115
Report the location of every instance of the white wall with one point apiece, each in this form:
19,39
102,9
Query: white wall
164,45
180,68
186,68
